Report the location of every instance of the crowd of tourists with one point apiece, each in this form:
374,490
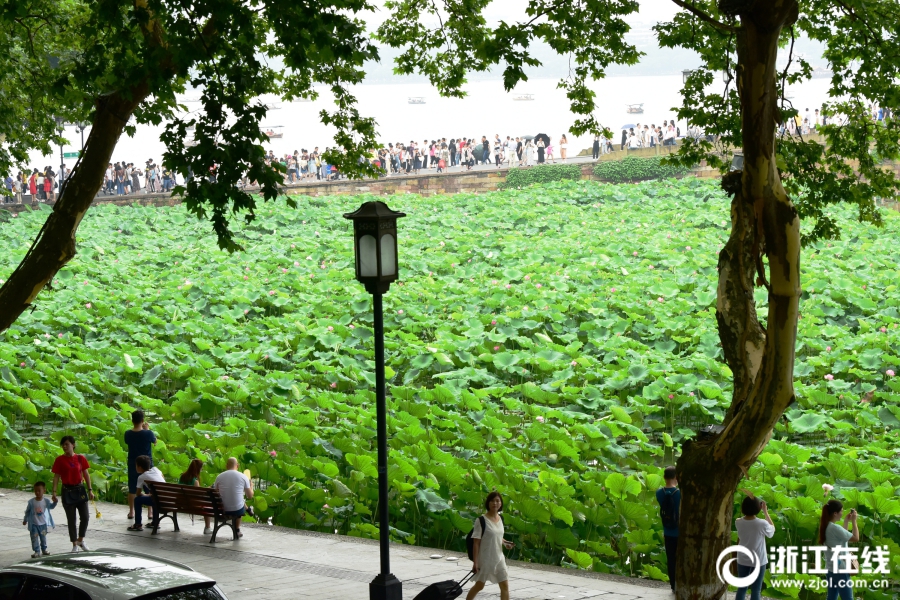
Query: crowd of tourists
485,543
72,479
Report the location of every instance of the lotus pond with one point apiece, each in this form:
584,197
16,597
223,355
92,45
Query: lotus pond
557,343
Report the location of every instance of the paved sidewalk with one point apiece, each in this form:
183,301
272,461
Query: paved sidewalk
276,563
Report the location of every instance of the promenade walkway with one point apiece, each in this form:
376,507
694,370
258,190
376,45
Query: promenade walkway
275,563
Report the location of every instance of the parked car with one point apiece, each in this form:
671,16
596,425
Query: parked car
105,574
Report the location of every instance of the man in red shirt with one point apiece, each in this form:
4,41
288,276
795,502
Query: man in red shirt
72,469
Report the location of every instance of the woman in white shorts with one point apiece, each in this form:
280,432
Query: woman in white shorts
490,564
563,147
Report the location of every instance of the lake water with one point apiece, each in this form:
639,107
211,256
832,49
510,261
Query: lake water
487,110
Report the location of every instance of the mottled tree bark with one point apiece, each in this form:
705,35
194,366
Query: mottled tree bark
764,223
55,244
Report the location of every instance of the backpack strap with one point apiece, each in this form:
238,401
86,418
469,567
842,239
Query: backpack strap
483,524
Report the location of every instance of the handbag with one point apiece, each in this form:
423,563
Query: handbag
75,494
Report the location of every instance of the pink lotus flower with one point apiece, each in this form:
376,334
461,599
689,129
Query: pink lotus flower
245,278
273,454
884,330
687,248
246,311
21,364
508,286
453,265
889,373
206,435
442,244
827,348
271,292
400,312
671,396
613,290
527,277
864,287
326,506
660,299
496,347
15,216
827,488
493,322
60,336
692,394
651,267
829,377
292,246
330,328
352,326
85,282
284,270
296,264
494,282
247,268
573,363
524,308
311,275
634,254
333,384
538,286
618,230
88,305
266,357
224,377
539,419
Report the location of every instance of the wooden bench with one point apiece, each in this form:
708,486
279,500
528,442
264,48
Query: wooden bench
169,499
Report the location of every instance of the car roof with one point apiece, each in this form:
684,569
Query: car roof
125,574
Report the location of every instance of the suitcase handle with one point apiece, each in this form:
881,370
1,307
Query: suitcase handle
466,579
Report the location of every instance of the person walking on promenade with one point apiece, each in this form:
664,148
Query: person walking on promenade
233,486
489,564
38,519
529,154
540,151
563,148
139,440
595,150
833,536
752,534
669,499
72,470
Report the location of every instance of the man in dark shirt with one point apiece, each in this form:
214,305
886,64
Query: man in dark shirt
669,499
485,150
139,440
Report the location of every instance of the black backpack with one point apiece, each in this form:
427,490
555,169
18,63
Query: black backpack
470,542
668,511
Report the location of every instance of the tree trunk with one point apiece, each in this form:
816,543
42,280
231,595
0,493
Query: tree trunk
764,221
55,244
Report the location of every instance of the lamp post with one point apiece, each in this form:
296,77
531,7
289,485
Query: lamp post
375,253
61,123
685,74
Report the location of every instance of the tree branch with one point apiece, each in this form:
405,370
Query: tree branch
704,16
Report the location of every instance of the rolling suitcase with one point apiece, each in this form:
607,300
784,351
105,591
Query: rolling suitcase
444,590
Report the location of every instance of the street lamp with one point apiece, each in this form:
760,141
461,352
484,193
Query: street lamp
375,253
685,74
61,123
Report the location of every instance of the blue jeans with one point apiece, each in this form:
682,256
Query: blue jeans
38,537
839,585
755,587
139,503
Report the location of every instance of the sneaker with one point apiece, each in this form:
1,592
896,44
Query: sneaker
240,534
250,511
207,531
36,555
45,553
74,547
83,545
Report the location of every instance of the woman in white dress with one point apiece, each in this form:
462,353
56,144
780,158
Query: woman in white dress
529,153
490,564
563,147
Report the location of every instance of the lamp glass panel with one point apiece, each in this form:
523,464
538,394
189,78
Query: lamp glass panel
388,255
368,258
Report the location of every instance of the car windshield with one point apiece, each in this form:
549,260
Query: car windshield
207,591
98,566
